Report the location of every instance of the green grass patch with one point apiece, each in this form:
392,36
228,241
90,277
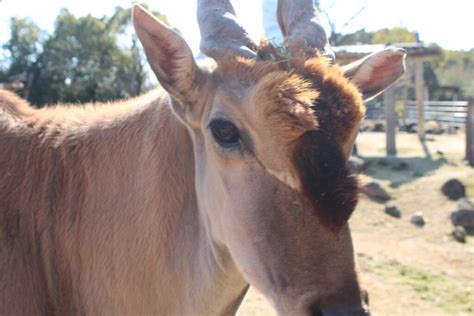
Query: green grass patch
469,184
450,294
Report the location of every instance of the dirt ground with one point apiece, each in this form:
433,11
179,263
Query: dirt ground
408,270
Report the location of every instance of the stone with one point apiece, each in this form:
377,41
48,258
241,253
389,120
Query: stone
400,166
465,204
464,218
382,162
393,211
356,164
433,127
379,127
417,174
375,191
396,183
411,128
459,234
454,189
418,219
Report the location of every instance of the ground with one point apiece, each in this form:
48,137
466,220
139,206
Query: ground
408,270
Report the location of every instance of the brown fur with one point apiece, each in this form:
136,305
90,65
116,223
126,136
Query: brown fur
337,105
71,155
327,183
83,194
143,207
313,111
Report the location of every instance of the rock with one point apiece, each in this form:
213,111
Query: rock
382,162
433,127
453,189
375,191
393,211
396,183
418,219
464,218
400,166
356,164
379,127
453,129
417,174
465,204
459,234
411,128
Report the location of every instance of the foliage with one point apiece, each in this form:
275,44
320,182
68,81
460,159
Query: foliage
24,45
383,36
393,35
84,59
358,37
454,69
81,62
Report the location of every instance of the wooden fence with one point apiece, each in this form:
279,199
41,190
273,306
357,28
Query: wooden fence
449,113
458,114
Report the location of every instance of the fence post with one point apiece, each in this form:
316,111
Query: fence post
470,132
420,98
391,120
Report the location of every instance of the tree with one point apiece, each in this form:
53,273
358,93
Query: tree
358,37
22,51
84,59
87,59
456,68
24,45
393,35
120,23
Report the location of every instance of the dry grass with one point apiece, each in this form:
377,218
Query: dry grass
409,270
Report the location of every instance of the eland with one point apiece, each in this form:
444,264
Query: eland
173,203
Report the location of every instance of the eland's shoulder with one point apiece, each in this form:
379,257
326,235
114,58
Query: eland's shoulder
15,111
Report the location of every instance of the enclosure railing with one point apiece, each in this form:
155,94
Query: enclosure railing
449,113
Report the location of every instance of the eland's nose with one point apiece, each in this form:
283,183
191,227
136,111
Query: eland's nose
362,310
342,312
346,312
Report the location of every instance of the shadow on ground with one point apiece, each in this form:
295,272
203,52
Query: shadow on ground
400,170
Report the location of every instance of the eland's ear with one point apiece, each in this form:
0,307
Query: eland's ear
376,72
169,56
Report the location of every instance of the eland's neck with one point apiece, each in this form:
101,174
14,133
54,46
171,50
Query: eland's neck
109,203
209,283
152,236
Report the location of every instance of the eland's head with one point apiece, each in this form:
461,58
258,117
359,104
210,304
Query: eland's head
272,129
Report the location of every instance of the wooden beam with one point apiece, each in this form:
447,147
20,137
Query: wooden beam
470,132
391,121
420,98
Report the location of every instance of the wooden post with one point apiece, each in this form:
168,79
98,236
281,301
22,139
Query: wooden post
470,132
391,120
420,99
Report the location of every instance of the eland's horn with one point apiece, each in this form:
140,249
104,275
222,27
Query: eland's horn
300,24
221,35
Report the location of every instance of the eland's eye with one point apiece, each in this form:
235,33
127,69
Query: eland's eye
225,133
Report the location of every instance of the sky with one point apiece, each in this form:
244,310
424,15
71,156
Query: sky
447,23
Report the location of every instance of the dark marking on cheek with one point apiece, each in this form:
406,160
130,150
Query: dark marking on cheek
326,181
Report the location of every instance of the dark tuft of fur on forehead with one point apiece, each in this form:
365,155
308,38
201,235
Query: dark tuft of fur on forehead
326,181
312,110
340,107
284,105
